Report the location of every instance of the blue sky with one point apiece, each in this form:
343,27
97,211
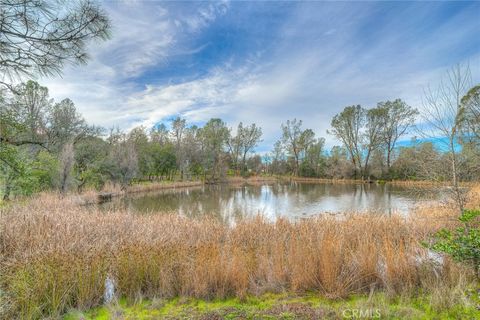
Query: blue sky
266,62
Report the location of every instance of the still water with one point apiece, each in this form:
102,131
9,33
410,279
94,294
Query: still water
292,200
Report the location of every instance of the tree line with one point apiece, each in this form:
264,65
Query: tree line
48,145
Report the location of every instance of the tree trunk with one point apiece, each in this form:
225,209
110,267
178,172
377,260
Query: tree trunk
367,159
389,152
456,187
244,162
295,170
6,195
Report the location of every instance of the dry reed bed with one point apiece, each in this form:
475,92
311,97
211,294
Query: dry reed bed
161,186
406,183
92,196
254,180
56,255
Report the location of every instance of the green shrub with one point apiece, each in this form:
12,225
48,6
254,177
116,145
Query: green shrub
463,243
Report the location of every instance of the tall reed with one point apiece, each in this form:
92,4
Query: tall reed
55,255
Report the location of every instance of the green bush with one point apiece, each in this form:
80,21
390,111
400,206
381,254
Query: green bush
463,243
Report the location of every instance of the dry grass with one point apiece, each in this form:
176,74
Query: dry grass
253,180
91,196
56,255
147,187
406,183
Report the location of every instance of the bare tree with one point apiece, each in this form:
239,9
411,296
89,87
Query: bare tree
40,36
441,116
338,164
239,145
179,126
277,157
373,136
192,145
291,138
398,118
122,158
250,137
314,158
159,134
213,137
420,160
347,127
234,145
307,139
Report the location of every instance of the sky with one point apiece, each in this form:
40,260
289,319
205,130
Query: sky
266,62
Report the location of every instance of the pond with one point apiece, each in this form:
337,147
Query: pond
293,200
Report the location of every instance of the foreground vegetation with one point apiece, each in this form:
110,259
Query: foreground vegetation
285,306
57,256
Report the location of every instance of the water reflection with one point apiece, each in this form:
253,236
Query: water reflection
294,200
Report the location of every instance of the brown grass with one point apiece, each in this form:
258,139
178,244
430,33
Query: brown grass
56,255
288,178
147,187
91,196
406,183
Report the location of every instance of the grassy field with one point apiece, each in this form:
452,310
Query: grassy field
56,255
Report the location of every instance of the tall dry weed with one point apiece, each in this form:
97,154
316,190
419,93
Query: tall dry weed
56,255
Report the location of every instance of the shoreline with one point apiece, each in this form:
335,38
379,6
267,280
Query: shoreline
109,192
90,197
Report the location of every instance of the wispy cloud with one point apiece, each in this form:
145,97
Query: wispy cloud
146,36
267,62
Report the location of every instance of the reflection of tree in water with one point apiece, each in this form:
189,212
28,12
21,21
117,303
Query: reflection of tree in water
229,203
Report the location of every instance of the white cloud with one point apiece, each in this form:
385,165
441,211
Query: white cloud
145,36
198,100
310,74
